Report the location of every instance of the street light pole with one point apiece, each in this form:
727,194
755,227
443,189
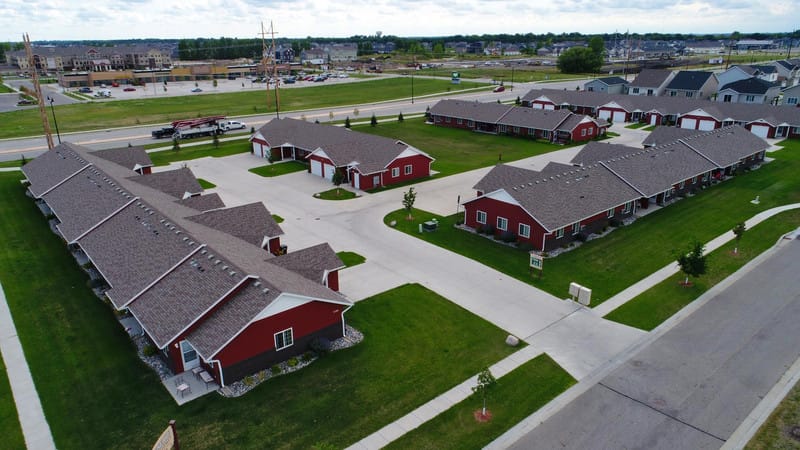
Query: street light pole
412,86
55,122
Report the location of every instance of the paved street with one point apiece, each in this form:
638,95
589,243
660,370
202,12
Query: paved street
694,385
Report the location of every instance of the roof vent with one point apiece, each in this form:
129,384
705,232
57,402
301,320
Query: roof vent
265,291
257,284
224,267
216,262
232,273
203,251
191,242
210,256
185,238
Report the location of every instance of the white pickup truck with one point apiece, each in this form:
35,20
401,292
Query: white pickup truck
231,125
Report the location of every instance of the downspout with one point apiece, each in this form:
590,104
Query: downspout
343,324
221,375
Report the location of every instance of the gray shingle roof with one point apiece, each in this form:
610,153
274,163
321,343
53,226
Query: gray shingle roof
666,135
129,157
536,118
689,80
311,262
471,110
84,200
251,222
370,153
133,248
612,80
563,198
185,294
204,202
601,151
53,167
650,78
726,146
550,120
176,183
750,86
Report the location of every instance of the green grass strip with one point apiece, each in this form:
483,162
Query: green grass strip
10,429
166,157
278,169
517,395
351,259
205,184
651,308
336,194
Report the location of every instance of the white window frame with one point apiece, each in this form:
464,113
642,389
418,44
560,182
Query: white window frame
504,221
590,131
283,336
682,184
750,98
459,121
408,169
576,228
627,208
395,172
791,101
583,132
524,230
478,215
559,233
635,90
610,213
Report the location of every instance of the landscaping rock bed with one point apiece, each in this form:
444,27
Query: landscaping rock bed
155,362
241,387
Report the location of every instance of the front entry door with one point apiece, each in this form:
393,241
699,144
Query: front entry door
189,356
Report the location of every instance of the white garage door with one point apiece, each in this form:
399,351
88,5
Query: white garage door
604,114
329,170
538,106
316,168
549,107
653,119
706,125
689,124
760,130
619,116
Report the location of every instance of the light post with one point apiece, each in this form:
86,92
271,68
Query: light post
55,122
412,86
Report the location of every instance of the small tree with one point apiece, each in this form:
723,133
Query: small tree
215,140
485,381
518,101
738,231
347,122
373,121
400,117
409,197
330,115
427,113
176,147
693,263
23,161
214,83
338,179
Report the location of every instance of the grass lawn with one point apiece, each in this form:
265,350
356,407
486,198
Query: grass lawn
277,169
521,75
5,89
205,184
165,157
86,371
774,433
12,163
515,396
336,194
456,150
616,261
278,219
351,259
636,126
10,428
657,304
650,128
119,113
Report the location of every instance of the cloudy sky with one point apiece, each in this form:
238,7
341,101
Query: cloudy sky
115,19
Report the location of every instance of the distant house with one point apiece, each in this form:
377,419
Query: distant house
610,85
650,82
707,47
736,73
365,161
791,96
788,70
197,282
314,56
692,84
749,90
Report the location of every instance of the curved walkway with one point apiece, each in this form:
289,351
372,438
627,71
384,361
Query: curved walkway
673,268
29,409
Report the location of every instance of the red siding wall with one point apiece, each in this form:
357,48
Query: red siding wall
576,133
420,168
333,280
513,213
320,159
770,133
452,123
259,337
274,245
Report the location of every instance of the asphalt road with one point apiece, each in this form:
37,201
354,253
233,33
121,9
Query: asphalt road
119,137
693,386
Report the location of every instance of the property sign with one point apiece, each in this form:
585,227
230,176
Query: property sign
166,441
455,78
537,261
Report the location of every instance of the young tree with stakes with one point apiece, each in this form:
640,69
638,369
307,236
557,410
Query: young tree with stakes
338,179
693,263
409,197
485,381
347,122
738,231
373,121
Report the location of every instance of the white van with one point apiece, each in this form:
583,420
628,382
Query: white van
103,93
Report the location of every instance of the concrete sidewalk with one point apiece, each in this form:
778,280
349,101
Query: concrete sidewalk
442,403
673,268
29,409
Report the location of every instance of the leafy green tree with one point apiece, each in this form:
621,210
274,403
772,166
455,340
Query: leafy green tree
347,122
400,117
579,60
409,197
692,263
215,140
373,121
176,147
597,45
738,232
485,382
337,179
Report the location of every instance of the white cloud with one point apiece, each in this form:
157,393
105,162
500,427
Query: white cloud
59,19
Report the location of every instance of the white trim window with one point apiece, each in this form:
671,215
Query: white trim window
459,121
480,217
627,208
502,223
694,179
407,169
682,184
524,230
395,172
284,339
583,132
610,213
576,228
559,233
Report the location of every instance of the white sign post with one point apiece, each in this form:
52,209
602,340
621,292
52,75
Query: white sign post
537,262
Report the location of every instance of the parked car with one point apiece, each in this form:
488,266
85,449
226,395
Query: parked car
115,84
197,89
85,89
129,89
25,102
500,88
232,125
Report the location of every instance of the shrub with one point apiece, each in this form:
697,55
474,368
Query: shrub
249,381
307,356
149,350
460,222
508,237
488,229
252,130
525,246
320,345
400,117
479,229
275,369
87,265
292,362
582,237
347,122
616,223
262,375
94,284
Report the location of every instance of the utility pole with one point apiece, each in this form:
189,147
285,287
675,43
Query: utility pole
38,88
269,58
